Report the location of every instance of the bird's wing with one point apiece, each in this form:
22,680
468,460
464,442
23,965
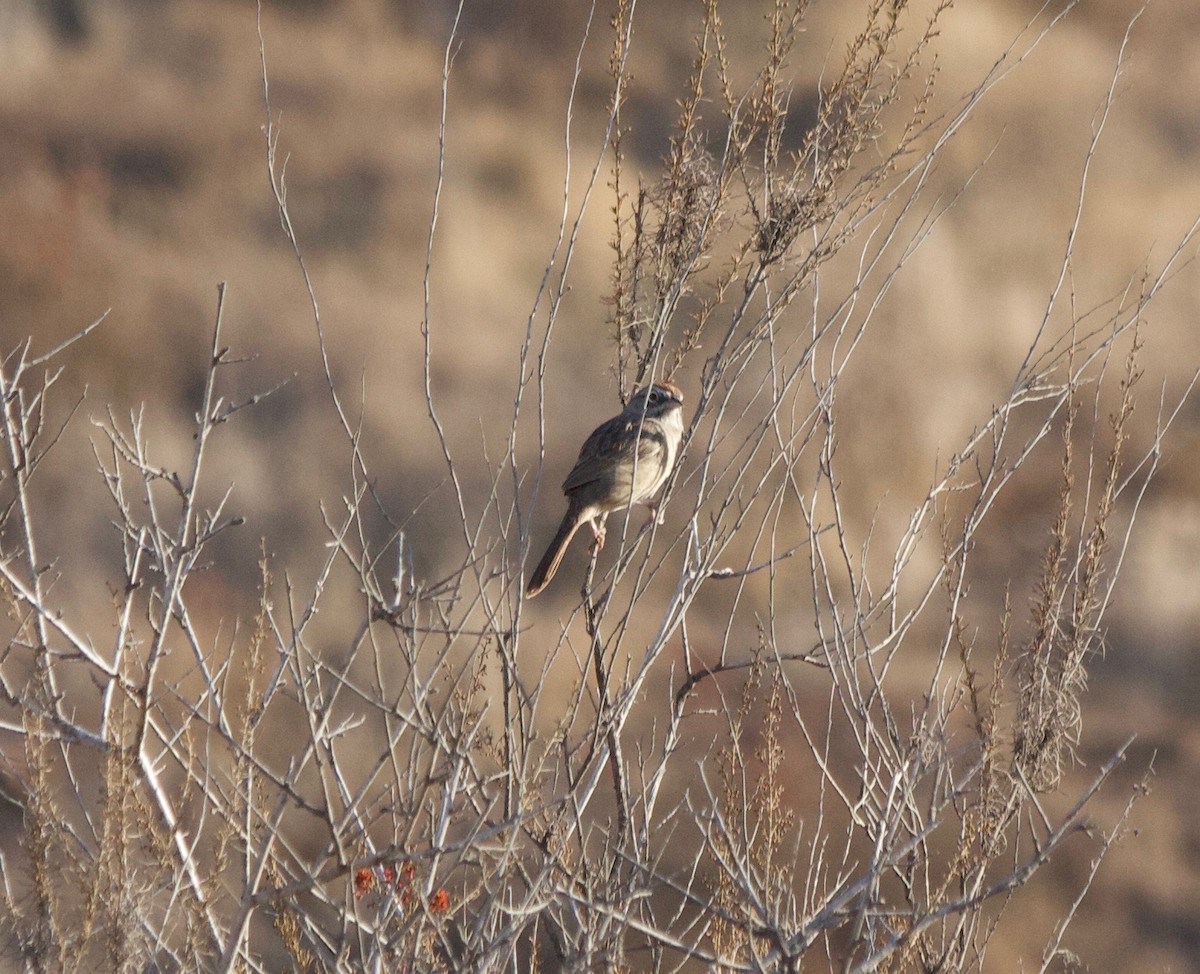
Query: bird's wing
609,445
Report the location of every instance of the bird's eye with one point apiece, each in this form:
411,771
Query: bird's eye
655,396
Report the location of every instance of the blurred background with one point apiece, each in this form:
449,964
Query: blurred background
133,179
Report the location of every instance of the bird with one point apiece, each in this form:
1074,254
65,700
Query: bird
623,462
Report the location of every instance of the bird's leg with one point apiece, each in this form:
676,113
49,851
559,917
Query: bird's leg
598,532
656,515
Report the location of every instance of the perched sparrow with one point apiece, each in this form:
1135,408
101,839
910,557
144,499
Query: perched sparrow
624,462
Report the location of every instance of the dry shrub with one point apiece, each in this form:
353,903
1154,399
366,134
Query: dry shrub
709,759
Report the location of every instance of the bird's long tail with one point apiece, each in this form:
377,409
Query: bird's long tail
549,564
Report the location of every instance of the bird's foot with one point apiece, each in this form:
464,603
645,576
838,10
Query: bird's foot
598,532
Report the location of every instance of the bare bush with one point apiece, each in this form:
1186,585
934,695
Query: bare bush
707,761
